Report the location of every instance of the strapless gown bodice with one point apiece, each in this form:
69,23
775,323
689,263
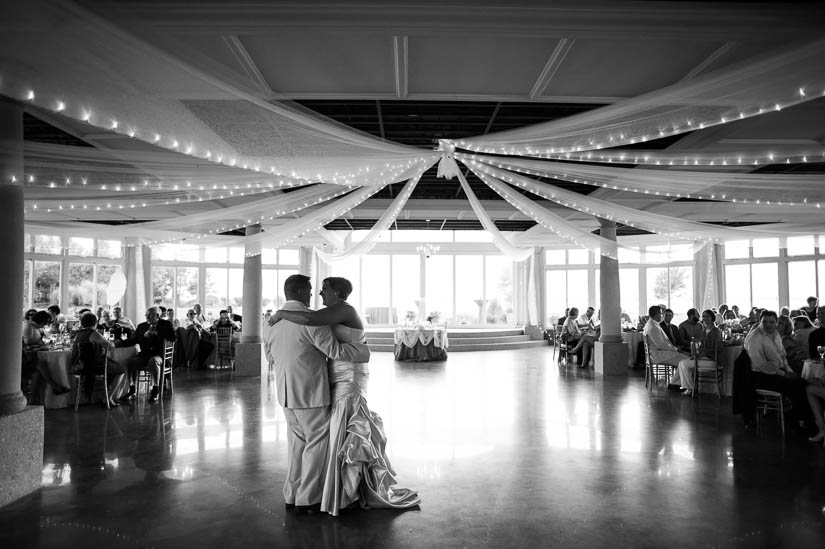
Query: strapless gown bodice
348,378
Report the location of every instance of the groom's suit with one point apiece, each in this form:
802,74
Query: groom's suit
299,355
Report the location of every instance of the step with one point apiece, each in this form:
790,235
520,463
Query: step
494,346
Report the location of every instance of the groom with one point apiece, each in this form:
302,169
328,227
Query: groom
299,354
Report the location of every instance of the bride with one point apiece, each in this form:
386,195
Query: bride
357,466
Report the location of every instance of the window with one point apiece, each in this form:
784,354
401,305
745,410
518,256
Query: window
752,285
801,282
109,248
84,247
499,290
671,286
376,288
163,279
578,257
290,257
629,289
104,276
186,286
27,283
470,305
47,244
555,257
235,291
216,280
46,284
766,247
800,245
738,249
406,287
438,280
81,287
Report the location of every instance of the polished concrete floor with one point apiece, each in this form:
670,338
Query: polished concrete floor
507,449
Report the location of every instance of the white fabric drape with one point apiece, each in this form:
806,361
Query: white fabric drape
383,223
504,245
786,78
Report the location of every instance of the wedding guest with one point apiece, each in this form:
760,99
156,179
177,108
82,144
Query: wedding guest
88,349
152,336
105,323
720,316
586,320
784,325
625,318
802,331
815,392
739,316
33,342
662,351
562,319
233,316
810,309
54,313
199,314
204,345
170,316
770,365
29,315
224,320
691,329
571,332
817,337
119,320
711,347
671,331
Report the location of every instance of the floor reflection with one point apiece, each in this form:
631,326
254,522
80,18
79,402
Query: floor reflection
506,448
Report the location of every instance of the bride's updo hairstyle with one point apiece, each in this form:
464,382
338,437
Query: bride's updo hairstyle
341,286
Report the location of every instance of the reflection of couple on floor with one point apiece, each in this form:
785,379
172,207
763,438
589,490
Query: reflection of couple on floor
336,445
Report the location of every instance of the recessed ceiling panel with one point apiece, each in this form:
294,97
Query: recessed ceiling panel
476,65
600,68
313,64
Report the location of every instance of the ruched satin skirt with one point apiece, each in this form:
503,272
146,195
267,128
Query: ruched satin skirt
358,468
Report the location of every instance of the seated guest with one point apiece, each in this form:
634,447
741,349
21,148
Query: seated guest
152,336
810,310
625,318
562,319
739,316
571,332
817,337
770,365
29,315
119,319
54,313
586,320
708,353
815,391
671,331
729,315
224,320
201,335
784,325
233,316
720,316
662,351
33,342
199,314
802,328
170,316
105,323
89,349
691,329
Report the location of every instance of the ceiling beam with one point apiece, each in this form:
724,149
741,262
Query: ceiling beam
557,57
400,50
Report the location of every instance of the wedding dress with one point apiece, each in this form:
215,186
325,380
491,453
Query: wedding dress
357,468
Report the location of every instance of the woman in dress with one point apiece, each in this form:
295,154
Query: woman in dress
88,350
358,469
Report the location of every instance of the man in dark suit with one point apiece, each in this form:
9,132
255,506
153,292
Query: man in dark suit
671,330
152,336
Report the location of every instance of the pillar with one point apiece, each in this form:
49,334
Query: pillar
138,267
611,351
249,351
21,426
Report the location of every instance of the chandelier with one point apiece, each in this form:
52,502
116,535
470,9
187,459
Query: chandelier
427,249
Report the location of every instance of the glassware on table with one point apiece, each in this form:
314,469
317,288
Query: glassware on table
821,350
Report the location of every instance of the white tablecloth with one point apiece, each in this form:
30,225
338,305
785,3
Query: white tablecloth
410,337
57,363
632,339
813,369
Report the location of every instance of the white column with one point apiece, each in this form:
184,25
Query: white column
252,292
11,242
21,426
138,267
611,351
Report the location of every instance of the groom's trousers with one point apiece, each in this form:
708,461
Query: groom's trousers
307,447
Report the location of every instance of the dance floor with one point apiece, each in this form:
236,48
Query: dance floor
507,449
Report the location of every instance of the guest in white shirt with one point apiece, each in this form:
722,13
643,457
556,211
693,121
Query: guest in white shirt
571,332
770,366
662,351
586,320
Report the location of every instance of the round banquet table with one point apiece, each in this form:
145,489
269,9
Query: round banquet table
57,364
421,344
632,339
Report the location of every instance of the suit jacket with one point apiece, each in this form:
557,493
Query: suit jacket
815,339
151,345
299,355
672,333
